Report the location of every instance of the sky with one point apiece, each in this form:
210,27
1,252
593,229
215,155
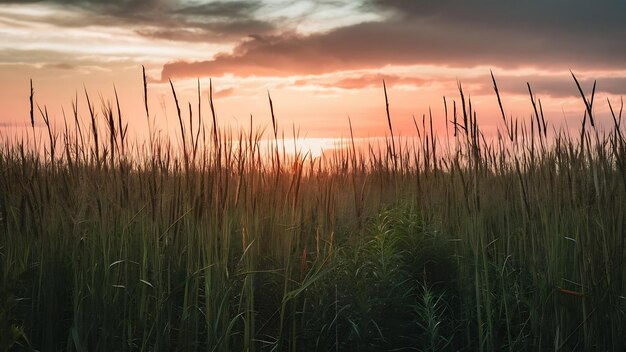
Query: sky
322,61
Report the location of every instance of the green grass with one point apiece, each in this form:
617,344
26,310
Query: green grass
438,243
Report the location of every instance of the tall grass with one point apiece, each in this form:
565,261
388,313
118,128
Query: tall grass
458,243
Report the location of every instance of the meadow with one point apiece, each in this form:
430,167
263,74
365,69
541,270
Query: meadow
216,243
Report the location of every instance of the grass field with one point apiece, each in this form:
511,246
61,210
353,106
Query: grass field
215,243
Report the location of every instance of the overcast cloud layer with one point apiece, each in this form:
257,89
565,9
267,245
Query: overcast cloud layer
319,49
556,34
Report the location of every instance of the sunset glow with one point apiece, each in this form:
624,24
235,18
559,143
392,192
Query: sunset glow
322,61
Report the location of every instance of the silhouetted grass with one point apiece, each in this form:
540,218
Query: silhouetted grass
455,243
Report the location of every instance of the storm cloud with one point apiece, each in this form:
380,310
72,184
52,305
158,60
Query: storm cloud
559,34
554,35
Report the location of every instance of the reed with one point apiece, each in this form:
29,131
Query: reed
234,243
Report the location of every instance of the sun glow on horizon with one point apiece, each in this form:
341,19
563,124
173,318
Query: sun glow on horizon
321,61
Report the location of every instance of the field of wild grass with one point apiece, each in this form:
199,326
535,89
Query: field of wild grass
458,242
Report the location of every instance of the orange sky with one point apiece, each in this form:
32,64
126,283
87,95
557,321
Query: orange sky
322,61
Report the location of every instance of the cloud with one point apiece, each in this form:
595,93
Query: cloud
119,7
13,124
60,66
561,86
562,34
268,41
217,21
227,9
223,93
367,80
563,16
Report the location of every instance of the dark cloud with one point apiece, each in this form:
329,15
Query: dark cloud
121,7
214,32
228,9
563,34
216,21
566,16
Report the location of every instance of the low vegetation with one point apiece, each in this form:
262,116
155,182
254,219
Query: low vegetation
216,244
